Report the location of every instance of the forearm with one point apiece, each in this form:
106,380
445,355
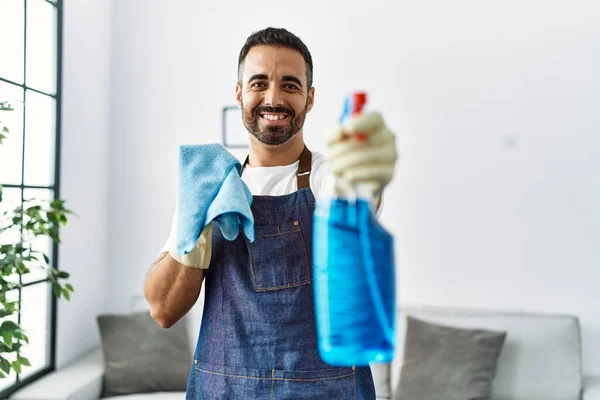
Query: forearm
171,289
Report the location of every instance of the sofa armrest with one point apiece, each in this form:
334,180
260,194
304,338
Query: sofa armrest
591,388
80,380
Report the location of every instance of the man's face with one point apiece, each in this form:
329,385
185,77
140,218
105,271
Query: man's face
273,93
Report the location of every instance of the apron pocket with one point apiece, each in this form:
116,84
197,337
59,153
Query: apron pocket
339,384
225,382
278,257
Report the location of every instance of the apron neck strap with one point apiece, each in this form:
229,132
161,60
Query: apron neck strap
304,168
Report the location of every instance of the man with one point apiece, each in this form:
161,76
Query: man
258,336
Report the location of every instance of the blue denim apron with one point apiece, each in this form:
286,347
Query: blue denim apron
258,337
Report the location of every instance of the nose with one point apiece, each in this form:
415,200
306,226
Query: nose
273,96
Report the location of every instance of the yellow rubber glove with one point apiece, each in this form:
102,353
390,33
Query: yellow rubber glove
362,154
200,256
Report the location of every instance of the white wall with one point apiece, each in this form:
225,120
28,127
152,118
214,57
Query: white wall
482,224
478,223
84,172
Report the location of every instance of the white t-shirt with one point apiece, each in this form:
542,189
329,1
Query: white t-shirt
278,181
282,180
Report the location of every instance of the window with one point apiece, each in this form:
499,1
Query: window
30,31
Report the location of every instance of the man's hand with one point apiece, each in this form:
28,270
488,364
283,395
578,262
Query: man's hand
362,154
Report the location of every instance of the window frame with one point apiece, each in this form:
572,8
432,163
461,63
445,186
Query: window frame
55,187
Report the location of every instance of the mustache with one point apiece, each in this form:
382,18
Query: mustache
276,110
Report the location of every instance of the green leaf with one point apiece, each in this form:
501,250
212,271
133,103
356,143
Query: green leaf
8,337
23,361
16,366
58,204
69,287
67,294
2,376
56,289
22,336
8,326
5,365
63,274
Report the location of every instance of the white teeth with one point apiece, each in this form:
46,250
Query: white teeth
273,117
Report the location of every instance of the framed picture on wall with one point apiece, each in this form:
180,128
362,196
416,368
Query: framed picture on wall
234,132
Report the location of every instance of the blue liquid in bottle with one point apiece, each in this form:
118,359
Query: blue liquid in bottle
354,283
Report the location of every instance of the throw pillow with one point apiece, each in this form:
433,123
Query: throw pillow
140,356
450,363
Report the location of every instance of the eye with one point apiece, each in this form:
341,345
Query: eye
258,85
290,86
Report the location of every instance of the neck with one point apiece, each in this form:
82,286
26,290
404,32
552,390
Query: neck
262,155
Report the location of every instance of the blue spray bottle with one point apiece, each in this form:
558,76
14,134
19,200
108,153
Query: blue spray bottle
354,275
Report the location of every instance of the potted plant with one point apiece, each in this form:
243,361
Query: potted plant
33,218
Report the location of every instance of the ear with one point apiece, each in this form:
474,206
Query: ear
311,99
238,95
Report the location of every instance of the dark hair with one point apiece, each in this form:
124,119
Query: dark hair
277,37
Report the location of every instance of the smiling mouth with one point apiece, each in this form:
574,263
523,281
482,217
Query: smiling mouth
274,117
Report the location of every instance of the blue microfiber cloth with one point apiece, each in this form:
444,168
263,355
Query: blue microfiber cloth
211,188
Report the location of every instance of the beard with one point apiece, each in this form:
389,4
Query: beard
273,135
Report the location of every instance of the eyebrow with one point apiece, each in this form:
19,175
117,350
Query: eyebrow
286,78
257,76
290,78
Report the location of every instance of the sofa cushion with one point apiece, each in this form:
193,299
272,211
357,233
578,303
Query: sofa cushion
444,362
140,356
540,360
81,379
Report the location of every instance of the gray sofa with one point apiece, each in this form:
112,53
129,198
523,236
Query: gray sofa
540,360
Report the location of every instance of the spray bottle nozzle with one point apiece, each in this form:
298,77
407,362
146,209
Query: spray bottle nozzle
358,103
353,105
